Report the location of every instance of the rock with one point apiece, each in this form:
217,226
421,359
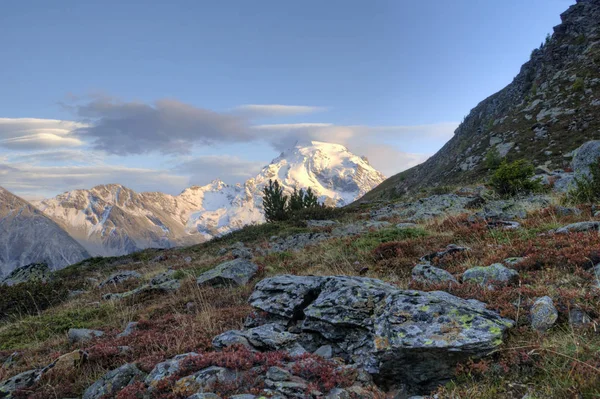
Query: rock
113,381
167,287
503,224
325,351
395,335
512,261
297,388
187,259
19,381
425,273
427,208
66,364
209,395
579,227
565,182
81,335
564,211
578,318
270,337
166,369
233,273
514,208
243,396
76,293
31,272
402,226
11,360
230,338
543,314
295,242
493,273
204,380
338,393
585,156
278,374
120,277
321,223
163,277
450,250
129,329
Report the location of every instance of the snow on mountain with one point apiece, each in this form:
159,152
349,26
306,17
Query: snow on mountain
114,220
27,236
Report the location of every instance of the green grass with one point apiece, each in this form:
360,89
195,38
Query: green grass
370,240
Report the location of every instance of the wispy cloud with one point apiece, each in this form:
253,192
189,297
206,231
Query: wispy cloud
271,110
36,134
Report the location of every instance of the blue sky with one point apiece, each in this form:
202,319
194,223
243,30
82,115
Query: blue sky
391,79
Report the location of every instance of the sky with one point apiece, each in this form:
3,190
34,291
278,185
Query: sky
159,96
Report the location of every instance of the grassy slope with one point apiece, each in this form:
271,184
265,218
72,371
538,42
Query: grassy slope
561,363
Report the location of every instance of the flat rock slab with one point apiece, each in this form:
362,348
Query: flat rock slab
233,273
580,227
395,335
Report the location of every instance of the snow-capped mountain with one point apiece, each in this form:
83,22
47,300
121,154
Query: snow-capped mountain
28,236
114,220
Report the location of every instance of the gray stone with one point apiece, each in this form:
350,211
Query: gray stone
270,337
427,208
321,223
205,380
397,335
402,226
494,273
233,273
579,227
113,381
166,369
295,242
578,318
23,274
564,211
80,335
230,338
585,156
543,314
129,329
120,277
425,273
208,395
19,381
325,351
162,278
512,261
278,374
440,255
243,396
338,393
167,287
514,208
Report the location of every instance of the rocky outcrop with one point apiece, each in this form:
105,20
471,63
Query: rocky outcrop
396,335
548,110
23,274
233,273
113,381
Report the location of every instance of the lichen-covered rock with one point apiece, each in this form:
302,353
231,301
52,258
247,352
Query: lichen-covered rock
496,273
23,274
208,395
321,223
120,277
579,227
511,209
19,381
204,380
80,335
163,277
233,273
66,363
295,242
585,156
543,314
426,208
426,273
397,335
166,369
167,287
230,338
113,381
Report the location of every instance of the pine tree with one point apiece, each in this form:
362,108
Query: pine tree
296,200
310,200
274,202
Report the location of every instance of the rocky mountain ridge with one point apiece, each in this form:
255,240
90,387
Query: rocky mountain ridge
28,236
550,109
111,220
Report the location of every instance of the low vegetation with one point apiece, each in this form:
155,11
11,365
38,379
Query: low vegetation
514,178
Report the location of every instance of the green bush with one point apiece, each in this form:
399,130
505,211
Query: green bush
515,178
493,160
587,189
578,85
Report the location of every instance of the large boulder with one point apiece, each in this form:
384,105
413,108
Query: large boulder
19,381
113,381
496,273
233,273
585,156
416,338
23,274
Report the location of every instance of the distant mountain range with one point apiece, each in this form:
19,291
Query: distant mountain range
28,236
111,220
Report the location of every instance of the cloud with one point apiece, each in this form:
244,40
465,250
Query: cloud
36,134
230,169
35,182
270,110
60,157
168,126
